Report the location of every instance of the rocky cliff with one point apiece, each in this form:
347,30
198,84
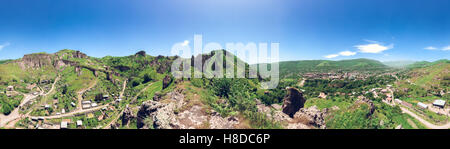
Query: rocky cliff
176,112
57,60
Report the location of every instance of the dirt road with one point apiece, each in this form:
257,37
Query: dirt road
71,113
424,122
14,116
4,119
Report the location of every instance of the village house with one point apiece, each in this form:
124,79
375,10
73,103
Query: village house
439,103
63,125
86,106
10,88
422,105
79,123
86,102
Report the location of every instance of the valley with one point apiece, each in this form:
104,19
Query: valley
71,90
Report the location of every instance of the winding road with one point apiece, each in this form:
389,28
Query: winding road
14,115
424,122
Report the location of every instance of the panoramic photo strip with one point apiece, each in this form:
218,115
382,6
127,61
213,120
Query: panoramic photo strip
224,65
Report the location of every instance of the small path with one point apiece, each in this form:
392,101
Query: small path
53,86
80,95
142,90
123,89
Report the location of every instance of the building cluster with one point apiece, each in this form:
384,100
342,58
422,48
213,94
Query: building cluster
336,76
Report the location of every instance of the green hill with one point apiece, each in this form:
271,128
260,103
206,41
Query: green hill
422,64
294,68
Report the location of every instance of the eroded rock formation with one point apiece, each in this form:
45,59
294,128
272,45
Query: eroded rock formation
293,101
127,116
166,81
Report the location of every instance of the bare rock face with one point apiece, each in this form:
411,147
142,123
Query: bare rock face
166,81
174,112
218,122
293,101
297,126
39,60
78,54
157,96
78,70
36,60
276,114
312,116
127,116
162,115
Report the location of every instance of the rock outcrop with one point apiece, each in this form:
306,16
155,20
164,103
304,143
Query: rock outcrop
293,101
157,96
127,116
216,121
162,115
166,81
173,111
38,60
140,53
78,54
311,116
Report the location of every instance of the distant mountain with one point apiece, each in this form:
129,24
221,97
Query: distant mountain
399,64
293,68
428,75
422,64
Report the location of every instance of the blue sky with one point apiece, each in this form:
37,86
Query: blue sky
306,29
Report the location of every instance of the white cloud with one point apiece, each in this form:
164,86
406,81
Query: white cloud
447,48
371,41
4,45
347,53
373,48
430,48
331,56
185,43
